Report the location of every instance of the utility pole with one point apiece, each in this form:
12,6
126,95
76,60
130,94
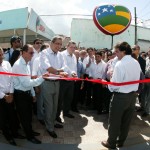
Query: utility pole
135,26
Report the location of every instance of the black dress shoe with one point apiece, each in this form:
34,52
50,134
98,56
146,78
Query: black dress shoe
19,136
34,140
69,116
12,142
59,120
58,126
52,134
35,133
42,122
107,145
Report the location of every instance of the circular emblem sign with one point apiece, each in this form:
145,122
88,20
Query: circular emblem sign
112,19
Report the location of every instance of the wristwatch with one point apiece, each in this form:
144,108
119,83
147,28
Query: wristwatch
57,72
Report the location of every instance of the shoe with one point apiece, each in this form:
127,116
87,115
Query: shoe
35,133
69,116
12,142
58,126
19,136
59,120
145,114
52,134
42,122
35,140
107,145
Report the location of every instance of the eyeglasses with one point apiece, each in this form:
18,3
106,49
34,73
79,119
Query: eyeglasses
18,41
38,43
133,48
31,53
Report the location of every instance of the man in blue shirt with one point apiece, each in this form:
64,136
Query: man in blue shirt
78,84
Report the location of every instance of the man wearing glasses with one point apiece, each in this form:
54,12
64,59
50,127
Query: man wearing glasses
16,43
24,93
37,43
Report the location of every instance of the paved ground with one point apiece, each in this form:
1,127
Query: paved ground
85,132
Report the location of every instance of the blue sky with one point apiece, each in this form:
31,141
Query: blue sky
62,24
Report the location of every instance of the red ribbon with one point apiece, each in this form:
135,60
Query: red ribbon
91,80
12,74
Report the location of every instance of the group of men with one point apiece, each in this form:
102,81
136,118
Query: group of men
35,83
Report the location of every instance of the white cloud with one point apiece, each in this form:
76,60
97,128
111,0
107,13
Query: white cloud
59,24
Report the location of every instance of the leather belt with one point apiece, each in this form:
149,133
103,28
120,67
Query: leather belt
51,80
22,92
124,93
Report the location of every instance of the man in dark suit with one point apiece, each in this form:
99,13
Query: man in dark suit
136,52
142,62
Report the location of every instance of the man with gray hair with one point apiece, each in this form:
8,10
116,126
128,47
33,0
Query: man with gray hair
51,61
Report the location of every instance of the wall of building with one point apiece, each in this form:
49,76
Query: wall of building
85,32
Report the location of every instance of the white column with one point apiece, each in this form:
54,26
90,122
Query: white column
24,36
14,31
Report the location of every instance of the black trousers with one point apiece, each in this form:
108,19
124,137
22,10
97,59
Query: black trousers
8,119
122,107
107,97
77,95
65,97
98,97
88,91
23,103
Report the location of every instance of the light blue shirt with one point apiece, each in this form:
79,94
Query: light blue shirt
24,83
8,54
80,69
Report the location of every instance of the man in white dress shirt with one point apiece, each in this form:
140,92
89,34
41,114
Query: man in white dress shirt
37,43
123,102
96,71
24,92
39,97
67,87
51,61
88,85
8,117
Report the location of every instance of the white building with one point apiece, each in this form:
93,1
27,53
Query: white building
85,32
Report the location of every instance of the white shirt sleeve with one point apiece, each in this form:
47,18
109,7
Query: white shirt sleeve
35,67
24,82
11,80
118,76
2,94
32,92
44,62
